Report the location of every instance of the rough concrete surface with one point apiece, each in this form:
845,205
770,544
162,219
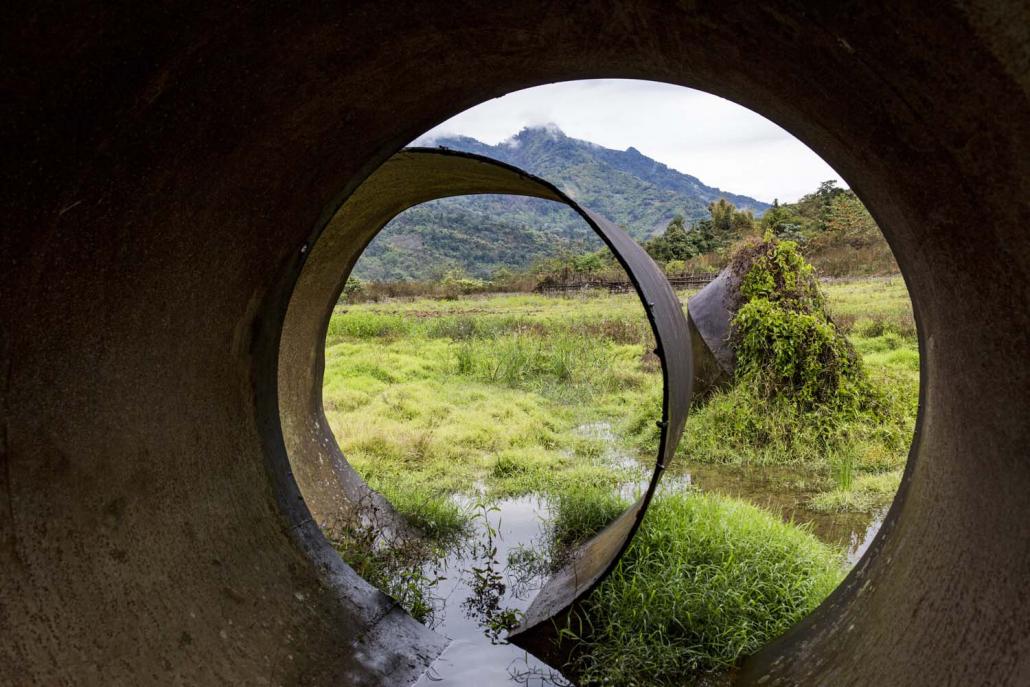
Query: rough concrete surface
165,167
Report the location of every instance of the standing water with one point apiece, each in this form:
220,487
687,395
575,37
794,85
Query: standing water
485,583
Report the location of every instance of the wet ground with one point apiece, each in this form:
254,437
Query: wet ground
484,583
785,490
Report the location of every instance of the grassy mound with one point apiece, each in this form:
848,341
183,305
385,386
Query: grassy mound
787,346
802,394
706,581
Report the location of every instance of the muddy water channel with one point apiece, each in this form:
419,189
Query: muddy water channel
483,583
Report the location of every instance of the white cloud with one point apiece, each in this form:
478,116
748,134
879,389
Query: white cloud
720,142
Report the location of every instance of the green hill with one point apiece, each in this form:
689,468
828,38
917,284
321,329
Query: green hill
483,233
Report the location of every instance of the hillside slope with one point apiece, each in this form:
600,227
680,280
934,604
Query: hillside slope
483,233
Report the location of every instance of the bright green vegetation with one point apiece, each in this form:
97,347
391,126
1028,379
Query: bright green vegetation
431,397
775,415
708,579
580,511
836,232
802,394
864,493
788,348
496,396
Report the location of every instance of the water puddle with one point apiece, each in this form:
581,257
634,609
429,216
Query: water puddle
783,490
485,583
786,491
613,453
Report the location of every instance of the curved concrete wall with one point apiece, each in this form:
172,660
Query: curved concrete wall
164,169
333,491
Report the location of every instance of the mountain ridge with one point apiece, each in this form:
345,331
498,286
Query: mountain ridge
635,191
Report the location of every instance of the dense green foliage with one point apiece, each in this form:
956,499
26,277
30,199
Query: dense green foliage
580,511
724,225
804,394
835,232
786,345
706,581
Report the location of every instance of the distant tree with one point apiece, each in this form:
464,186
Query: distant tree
587,263
729,223
783,221
675,244
353,290
814,208
456,282
675,266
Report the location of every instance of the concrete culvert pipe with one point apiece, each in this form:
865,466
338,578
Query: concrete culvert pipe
165,168
335,494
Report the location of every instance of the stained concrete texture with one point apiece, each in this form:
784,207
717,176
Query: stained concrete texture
166,168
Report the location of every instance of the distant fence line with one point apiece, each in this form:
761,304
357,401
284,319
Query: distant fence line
678,281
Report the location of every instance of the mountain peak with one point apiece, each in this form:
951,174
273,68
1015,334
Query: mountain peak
550,130
626,186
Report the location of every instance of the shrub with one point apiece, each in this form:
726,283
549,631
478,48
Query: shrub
786,345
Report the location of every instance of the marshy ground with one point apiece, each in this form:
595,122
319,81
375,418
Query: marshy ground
508,428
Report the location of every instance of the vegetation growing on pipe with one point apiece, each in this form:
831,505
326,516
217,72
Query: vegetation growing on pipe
787,347
801,394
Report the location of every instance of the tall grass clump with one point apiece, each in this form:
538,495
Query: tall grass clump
562,363
706,581
363,324
436,517
579,512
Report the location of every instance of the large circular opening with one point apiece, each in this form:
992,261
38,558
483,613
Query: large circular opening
796,446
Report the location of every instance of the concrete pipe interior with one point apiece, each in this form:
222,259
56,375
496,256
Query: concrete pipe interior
167,169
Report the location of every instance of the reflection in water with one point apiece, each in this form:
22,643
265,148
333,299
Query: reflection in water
786,491
486,583
858,544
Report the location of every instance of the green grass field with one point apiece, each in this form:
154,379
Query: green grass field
502,395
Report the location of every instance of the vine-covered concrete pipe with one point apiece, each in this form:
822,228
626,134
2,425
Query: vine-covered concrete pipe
167,165
334,492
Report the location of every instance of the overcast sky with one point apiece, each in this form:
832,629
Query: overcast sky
719,142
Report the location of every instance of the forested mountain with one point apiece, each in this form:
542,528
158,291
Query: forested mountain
480,234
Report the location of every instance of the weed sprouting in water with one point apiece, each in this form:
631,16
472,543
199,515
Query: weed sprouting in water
528,566
487,585
579,512
842,466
